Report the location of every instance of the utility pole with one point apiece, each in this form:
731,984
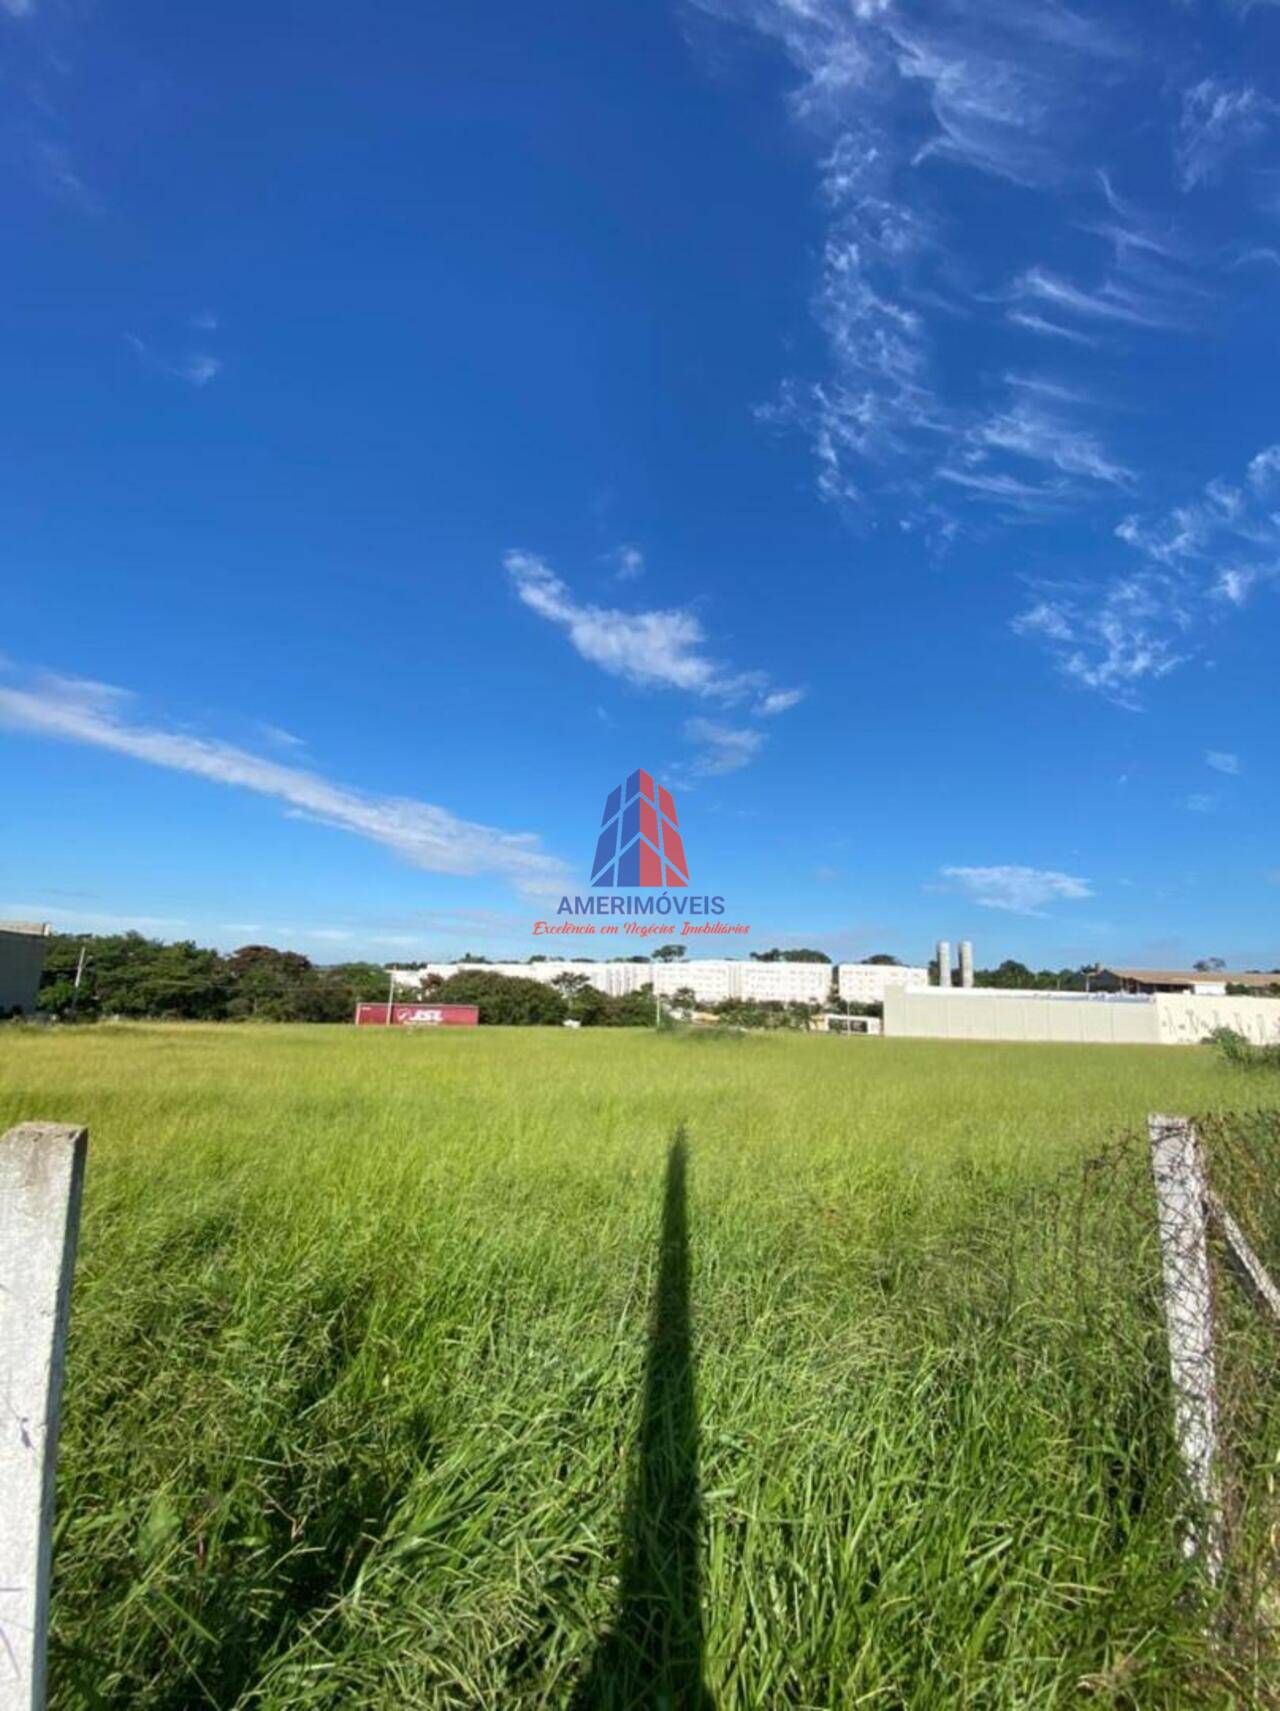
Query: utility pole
75,993
391,997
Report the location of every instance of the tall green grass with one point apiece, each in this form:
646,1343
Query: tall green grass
400,1375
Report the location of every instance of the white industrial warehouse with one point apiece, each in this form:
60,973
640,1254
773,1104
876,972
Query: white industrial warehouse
1125,1006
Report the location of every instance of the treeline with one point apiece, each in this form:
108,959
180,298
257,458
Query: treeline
1017,974
129,975
126,974
508,1001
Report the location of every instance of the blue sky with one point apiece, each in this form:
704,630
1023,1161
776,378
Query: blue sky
863,415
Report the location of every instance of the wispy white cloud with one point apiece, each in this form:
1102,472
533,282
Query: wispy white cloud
1114,300
1018,890
655,649
1030,431
279,737
1009,490
97,716
1200,802
1034,323
629,562
721,748
1202,560
1113,640
1221,761
1004,90
1216,121
18,8
56,172
778,701
197,368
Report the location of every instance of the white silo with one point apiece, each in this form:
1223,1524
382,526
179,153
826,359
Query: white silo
944,962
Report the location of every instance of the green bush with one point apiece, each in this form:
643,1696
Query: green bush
1242,1053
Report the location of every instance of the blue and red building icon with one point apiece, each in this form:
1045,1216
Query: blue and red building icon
639,843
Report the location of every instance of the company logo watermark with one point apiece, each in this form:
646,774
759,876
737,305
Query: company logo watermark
640,843
640,847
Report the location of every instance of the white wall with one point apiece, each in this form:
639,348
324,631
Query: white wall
1187,1018
959,1013
867,982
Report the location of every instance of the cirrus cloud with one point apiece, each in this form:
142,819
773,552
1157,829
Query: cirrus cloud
1019,890
97,715
662,648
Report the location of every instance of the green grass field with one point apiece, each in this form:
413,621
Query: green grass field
529,1369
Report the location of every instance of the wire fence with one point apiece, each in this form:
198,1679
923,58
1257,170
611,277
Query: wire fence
1145,1280
1175,1257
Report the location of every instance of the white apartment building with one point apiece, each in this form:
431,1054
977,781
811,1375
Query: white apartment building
867,982
784,982
712,980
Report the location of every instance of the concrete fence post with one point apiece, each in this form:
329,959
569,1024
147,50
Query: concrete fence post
41,1173
1181,1209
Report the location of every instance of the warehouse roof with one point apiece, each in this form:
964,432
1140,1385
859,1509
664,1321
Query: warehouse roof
1191,976
38,929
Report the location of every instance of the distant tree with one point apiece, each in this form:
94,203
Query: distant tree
126,974
56,995
570,985
668,953
129,975
684,998
633,1010
270,985
1009,974
588,1006
762,1014
883,960
504,1001
1209,965
790,956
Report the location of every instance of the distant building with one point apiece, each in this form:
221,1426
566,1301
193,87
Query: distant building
22,948
833,1023
780,982
867,982
712,980
1164,1018
1207,983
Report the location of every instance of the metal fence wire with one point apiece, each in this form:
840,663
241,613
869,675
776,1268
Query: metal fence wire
1241,1156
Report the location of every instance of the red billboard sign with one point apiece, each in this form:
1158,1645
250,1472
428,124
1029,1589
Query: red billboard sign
417,1016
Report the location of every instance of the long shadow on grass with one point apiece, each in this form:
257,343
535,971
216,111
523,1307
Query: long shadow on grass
652,1656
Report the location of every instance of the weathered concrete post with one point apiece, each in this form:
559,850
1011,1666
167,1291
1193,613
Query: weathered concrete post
1181,1213
944,962
41,1172
966,963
